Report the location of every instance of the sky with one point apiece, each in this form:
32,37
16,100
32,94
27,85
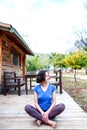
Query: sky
46,25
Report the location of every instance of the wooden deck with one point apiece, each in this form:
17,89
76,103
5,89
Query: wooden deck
13,116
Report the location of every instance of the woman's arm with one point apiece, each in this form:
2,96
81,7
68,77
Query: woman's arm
36,103
45,115
53,102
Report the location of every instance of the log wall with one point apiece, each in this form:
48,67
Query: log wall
6,62
0,64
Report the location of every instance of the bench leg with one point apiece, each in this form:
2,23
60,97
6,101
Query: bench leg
19,91
19,87
26,89
60,89
4,91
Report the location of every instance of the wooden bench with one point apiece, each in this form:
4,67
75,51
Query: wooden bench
58,80
12,81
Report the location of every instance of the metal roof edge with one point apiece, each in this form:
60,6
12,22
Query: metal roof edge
8,27
13,30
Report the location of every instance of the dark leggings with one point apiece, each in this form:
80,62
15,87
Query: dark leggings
32,111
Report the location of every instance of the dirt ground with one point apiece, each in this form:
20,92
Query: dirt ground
76,90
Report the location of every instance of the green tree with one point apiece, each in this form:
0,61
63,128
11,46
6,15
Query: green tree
33,63
52,58
37,62
76,61
57,60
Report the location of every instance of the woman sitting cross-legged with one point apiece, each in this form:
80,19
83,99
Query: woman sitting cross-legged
45,101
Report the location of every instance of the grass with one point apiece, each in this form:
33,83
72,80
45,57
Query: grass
78,90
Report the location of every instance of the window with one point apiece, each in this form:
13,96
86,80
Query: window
16,58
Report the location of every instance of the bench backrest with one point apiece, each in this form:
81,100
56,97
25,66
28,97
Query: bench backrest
58,75
9,77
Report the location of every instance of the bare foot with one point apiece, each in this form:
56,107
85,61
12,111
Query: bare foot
52,123
39,122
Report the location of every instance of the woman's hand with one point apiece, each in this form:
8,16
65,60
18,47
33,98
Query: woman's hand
45,117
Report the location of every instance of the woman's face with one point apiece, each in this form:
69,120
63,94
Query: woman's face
47,77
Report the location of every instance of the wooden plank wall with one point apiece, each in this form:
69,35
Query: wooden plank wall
6,48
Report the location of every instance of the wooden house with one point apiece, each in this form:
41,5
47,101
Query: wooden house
13,51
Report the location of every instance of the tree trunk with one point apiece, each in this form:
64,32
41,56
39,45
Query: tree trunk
75,76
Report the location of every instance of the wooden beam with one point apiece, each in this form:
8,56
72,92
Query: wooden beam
0,59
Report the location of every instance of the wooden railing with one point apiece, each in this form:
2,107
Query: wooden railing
57,82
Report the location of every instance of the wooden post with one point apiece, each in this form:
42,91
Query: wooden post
60,79
0,61
60,82
23,58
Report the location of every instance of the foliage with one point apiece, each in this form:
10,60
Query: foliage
36,62
76,60
32,64
52,58
40,61
57,60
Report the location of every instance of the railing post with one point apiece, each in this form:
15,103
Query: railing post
60,81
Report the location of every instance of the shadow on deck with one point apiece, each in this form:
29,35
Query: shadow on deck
13,116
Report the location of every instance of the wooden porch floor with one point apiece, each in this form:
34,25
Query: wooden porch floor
13,116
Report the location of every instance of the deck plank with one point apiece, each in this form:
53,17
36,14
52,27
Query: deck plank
13,116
